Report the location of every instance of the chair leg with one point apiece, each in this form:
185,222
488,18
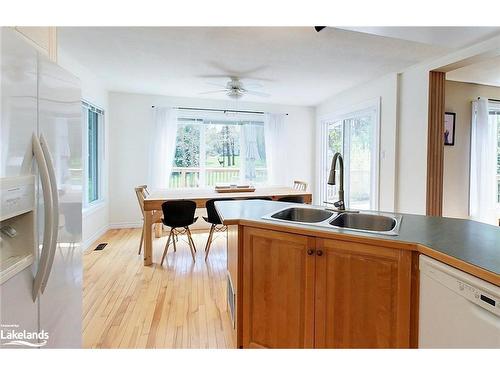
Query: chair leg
190,238
209,235
142,239
166,247
174,236
191,243
209,241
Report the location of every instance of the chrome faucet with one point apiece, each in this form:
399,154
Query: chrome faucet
340,204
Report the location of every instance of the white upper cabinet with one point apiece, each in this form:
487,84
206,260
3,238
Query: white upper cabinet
43,37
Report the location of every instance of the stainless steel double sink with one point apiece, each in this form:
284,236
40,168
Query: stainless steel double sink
377,223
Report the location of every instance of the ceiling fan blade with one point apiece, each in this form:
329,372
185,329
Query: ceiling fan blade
235,73
252,78
242,78
255,85
215,76
257,93
212,92
216,84
243,73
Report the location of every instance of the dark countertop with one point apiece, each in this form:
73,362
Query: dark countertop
466,240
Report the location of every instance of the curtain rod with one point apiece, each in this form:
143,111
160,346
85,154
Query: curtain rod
220,110
492,100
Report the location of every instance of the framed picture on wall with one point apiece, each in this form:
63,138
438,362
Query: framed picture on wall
449,128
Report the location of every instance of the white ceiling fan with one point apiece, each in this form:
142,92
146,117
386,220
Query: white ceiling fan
235,88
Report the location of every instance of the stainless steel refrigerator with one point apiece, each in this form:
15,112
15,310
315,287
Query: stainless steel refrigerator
41,200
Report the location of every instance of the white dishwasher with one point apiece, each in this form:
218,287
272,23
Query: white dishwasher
457,310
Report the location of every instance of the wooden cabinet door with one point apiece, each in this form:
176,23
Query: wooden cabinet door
278,290
362,296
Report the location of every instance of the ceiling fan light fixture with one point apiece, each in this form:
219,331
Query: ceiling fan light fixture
235,89
235,93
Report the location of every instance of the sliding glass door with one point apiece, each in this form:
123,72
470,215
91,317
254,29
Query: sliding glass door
494,119
356,136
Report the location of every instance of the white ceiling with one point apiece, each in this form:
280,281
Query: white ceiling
295,65
485,72
448,37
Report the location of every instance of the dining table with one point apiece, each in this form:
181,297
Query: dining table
156,198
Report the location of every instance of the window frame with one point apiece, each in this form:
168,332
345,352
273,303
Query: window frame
323,162
494,106
88,106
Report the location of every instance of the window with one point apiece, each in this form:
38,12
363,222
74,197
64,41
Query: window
216,149
484,196
494,118
356,136
93,126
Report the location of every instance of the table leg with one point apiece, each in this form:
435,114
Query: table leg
148,238
157,230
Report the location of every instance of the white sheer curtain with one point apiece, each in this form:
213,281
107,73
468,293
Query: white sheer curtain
274,128
163,150
251,152
483,164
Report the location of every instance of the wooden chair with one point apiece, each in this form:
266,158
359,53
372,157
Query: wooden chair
300,185
145,190
142,192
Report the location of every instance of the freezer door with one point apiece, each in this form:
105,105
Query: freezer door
18,101
59,111
18,121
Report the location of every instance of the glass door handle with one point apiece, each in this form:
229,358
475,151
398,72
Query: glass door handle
48,216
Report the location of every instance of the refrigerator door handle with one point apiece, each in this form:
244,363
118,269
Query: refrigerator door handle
55,210
48,216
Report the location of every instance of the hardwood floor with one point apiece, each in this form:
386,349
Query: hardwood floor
179,305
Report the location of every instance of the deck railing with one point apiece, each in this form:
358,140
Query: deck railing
190,177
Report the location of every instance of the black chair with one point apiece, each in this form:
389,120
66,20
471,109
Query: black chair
261,198
214,219
292,199
176,215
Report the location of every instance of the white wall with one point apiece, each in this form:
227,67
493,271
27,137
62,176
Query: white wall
384,88
411,166
95,218
131,127
459,96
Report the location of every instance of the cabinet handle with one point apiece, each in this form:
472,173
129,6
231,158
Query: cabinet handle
319,253
310,252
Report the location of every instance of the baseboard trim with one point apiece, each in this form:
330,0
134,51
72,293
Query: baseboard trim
125,225
86,244
138,224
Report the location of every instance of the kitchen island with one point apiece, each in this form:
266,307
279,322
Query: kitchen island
300,285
